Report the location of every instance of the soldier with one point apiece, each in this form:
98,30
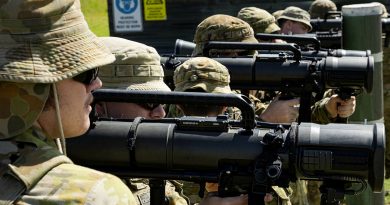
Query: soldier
228,28
294,20
48,71
259,19
203,74
320,8
136,67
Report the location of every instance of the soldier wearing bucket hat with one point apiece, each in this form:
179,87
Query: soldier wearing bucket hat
227,28
259,19
203,74
319,9
137,67
222,27
48,58
294,20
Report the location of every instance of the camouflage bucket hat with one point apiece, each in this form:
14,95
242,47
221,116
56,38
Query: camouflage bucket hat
296,14
260,20
277,13
20,106
222,27
137,66
204,73
319,8
46,41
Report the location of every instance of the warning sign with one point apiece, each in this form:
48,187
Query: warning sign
127,15
155,10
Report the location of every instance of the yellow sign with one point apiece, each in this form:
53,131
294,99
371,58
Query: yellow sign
155,10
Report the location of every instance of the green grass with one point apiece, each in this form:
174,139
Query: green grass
96,14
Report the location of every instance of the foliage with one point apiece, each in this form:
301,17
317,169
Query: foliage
96,14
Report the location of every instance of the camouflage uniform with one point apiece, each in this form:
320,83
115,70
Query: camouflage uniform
212,77
319,8
30,158
137,67
259,19
225,28
44,43
208,75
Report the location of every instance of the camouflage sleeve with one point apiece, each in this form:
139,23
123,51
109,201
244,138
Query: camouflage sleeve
258,105
282,196
174,197
72,184
172,111
299,192
319,114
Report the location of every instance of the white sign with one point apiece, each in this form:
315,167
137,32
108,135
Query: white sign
127,15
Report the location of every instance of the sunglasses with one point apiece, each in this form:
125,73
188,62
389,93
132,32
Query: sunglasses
87,77
149,106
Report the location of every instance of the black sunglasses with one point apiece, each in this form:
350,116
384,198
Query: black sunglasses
149,106
87,77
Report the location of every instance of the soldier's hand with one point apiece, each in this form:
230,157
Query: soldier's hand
342,108
281,111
